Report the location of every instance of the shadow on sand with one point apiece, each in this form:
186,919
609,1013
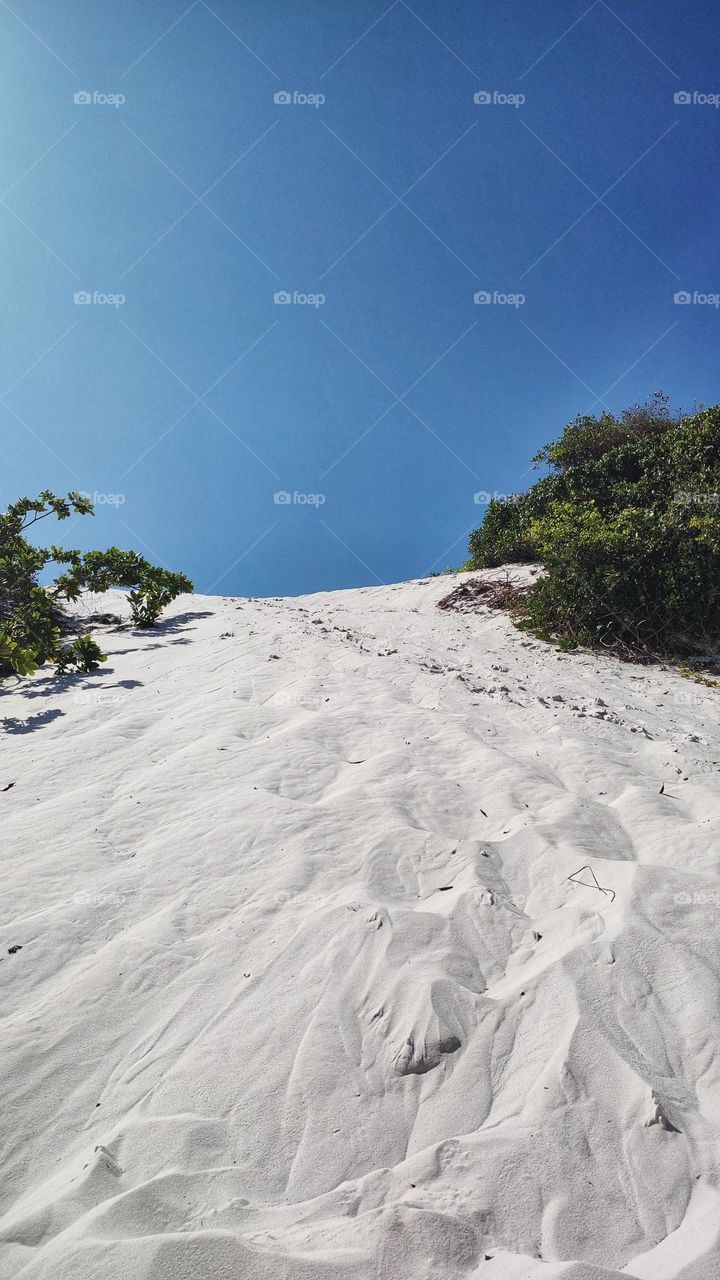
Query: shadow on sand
54,685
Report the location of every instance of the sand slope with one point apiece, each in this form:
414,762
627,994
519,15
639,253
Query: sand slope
304,990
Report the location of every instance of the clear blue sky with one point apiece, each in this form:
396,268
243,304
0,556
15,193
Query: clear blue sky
397,399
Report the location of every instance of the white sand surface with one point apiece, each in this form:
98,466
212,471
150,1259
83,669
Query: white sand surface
304,990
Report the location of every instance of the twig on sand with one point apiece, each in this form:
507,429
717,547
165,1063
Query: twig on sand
594,885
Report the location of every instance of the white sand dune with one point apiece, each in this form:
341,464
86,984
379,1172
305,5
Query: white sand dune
304,990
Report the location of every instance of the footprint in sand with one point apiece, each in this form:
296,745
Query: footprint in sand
409,1061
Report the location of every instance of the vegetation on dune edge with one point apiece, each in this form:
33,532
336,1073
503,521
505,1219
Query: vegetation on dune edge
625,522
627,526
32,615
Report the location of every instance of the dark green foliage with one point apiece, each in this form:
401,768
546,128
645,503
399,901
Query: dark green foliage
150,598
153,588
587,438
506,532
82,655
31,615
628,529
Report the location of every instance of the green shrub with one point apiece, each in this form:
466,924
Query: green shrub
82,655
588,438
155,591
31,615
16,657
506,535
628,530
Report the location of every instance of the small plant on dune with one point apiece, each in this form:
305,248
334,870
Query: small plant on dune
690,674
31,614
151,596
627,526
84,655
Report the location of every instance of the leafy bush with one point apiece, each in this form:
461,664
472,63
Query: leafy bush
506,533
82,655
587,438
628,529
151,597
31,615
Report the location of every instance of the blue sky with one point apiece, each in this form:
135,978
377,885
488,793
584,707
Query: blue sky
382,399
